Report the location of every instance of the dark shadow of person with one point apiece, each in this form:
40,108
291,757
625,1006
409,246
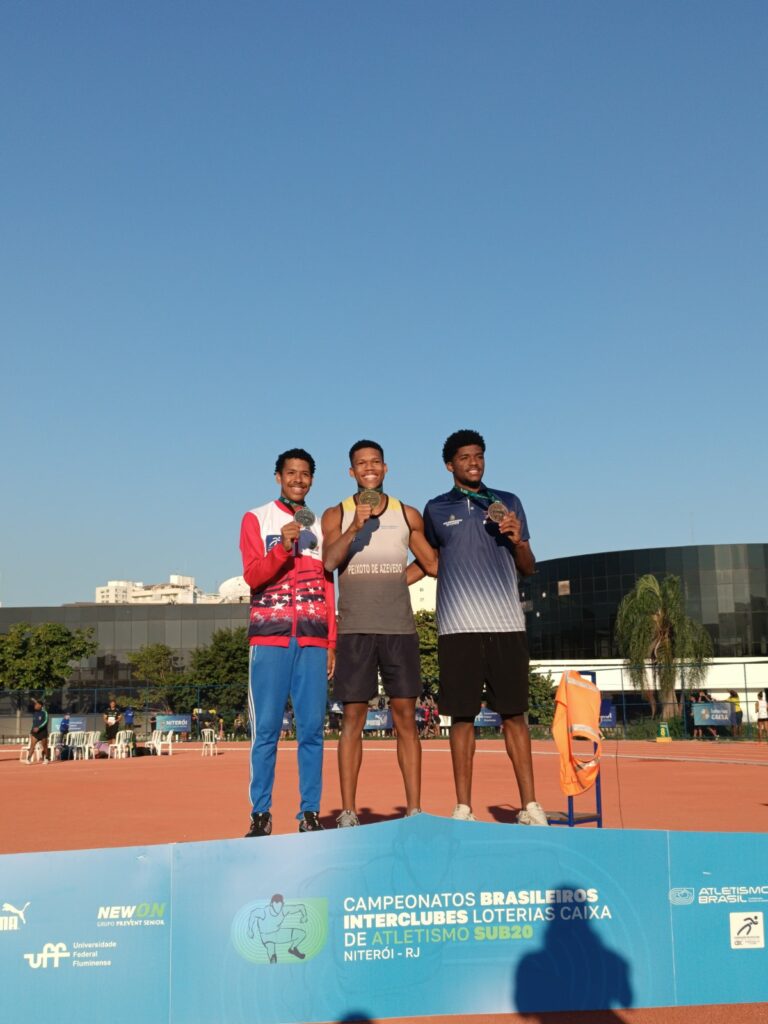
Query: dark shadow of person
573,970
356,1017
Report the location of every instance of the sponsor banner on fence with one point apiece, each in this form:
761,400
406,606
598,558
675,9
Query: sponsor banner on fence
174,723
403,918
716,712
487,719
607,714
378,720
77,723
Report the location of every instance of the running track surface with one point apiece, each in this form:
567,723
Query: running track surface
706,787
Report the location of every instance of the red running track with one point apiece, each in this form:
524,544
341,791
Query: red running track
707,786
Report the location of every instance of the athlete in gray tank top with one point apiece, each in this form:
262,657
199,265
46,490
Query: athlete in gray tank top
367,538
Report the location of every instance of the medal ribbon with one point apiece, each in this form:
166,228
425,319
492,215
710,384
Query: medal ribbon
292,505
483,495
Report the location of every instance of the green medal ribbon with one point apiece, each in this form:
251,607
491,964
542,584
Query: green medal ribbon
292,505
483,495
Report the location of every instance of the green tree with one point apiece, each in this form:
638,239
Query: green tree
426,627
159,668
42,657
653,631
219,671
541,699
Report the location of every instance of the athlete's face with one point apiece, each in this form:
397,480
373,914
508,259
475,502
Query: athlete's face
467,466
294,479
368,467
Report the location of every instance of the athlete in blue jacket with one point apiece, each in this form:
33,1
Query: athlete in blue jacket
481,536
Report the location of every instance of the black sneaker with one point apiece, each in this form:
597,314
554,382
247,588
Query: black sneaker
261,825
310,822
297,952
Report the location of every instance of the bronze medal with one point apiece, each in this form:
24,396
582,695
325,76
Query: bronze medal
496,511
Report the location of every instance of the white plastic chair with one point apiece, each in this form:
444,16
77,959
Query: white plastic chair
157,739
55,742
76,743
90,739
37,753
153,743
209,742
122,745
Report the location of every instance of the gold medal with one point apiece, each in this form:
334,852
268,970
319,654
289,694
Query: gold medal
369,497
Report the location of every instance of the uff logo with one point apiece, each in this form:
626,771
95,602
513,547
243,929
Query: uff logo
50,956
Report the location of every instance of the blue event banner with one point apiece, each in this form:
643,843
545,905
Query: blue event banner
381,720
404,918
607,714
174,723
77,723
717,712
487,719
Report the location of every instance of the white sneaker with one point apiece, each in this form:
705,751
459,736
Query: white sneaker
462,812
347,819
411,813
533,814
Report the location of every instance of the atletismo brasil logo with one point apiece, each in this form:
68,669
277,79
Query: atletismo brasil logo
280,929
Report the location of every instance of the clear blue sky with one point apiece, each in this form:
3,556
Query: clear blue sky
229,228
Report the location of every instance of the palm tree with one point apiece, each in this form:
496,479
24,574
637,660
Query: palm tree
651,626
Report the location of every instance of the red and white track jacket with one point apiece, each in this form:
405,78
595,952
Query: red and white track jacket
291,594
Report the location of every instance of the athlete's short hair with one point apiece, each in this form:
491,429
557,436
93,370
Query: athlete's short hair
365,443
459,439
277,898
295,453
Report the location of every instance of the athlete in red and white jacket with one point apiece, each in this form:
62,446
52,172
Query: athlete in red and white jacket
291,594
292,636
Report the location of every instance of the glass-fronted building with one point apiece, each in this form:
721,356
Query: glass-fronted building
571,603
123,629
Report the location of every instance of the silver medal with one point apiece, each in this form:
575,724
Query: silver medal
305,517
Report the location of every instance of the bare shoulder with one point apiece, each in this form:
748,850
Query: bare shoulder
331,520
414,517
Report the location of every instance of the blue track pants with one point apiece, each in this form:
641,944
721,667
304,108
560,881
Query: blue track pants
275,674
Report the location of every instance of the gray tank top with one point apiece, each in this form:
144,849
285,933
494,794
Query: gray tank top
373,594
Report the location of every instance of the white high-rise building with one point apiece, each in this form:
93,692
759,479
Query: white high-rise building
178,590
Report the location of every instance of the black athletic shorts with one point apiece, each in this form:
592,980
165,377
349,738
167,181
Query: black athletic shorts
360,657
470,660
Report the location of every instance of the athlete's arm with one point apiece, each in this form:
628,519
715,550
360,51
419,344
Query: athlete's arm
422,550
524,560
413,573
511,527
260,568
336,544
